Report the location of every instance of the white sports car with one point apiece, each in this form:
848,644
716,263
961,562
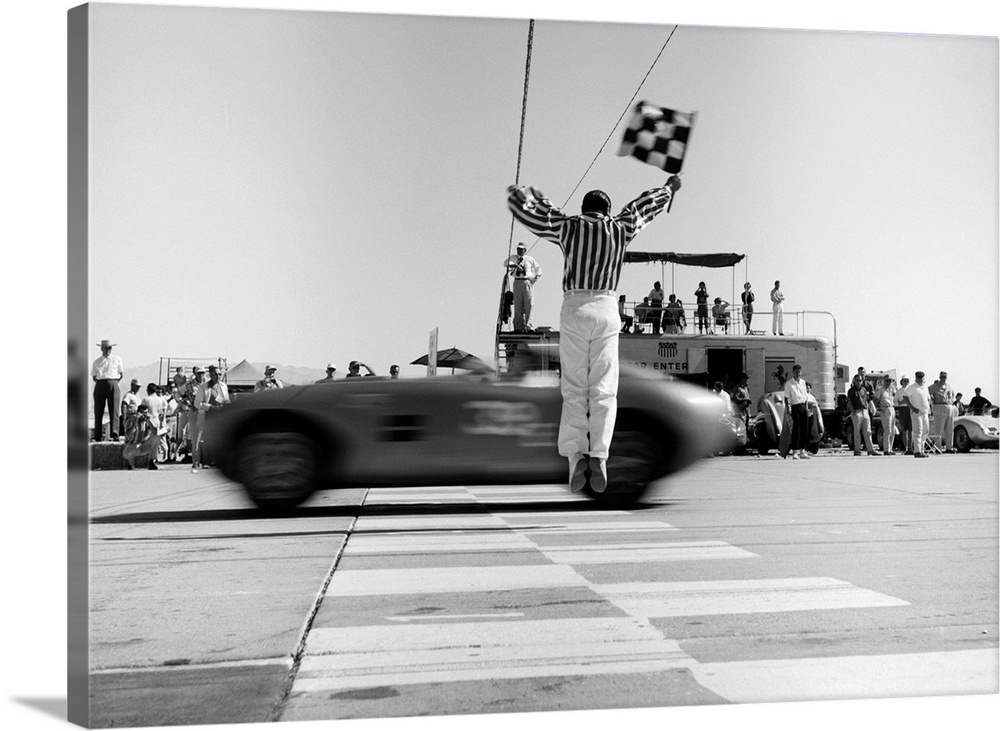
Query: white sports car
977,431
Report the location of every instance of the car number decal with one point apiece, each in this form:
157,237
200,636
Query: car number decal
510,418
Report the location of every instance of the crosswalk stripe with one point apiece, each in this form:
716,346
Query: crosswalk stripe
374,582
642,552
375,543
359,657
957,672
637,526
690,598
367,523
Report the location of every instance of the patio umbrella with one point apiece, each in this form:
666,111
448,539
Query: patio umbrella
454,358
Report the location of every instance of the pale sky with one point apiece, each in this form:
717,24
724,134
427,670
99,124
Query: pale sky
331,186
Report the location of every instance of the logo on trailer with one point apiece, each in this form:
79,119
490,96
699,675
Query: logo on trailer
667,350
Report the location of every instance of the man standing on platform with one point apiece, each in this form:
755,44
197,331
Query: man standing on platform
777,310
593,246
106,372
526,272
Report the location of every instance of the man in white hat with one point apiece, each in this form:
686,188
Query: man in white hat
526,272
106,372
268,381
331,369
130,404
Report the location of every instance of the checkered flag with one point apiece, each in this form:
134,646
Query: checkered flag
657,136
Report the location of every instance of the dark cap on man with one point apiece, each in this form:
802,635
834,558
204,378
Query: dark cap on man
918,374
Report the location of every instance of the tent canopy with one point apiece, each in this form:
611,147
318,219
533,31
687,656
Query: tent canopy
694,260
243,374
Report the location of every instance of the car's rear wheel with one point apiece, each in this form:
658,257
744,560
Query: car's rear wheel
963,442
279,469
636,459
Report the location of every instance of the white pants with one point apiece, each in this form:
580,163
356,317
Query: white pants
588,354
888,416
944,424
862,431
778,319
921,426
522,304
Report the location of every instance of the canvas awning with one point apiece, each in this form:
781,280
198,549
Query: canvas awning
695,260
243,374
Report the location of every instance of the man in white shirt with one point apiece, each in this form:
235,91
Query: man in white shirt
920,409
526,272
106,372
130,404
943,404
156,409
267,382
777,310
796,397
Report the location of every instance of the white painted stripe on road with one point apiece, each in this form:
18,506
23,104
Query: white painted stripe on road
643,552
363,657
561,514
438,543
379,491
637,526
439,617
434,522
521,489
961,672
452,579
418,495
690,598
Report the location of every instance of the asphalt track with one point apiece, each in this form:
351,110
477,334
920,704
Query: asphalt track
741,580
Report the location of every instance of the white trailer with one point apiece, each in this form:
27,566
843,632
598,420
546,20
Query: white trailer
767,360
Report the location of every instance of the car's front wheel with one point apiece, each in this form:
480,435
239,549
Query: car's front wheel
636,459
279,469
963,442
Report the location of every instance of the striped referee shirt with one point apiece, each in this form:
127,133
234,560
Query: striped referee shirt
593,245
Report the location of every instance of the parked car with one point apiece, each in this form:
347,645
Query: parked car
977,430
282,445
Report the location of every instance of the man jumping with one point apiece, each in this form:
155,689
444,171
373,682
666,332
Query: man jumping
593,246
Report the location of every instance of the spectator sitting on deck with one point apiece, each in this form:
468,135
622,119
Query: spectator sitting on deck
720,315
626,319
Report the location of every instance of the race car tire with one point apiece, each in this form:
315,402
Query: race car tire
963,442
278,469
635,461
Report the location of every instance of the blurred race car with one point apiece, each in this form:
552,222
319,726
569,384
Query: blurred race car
731,431
284,444
973,430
